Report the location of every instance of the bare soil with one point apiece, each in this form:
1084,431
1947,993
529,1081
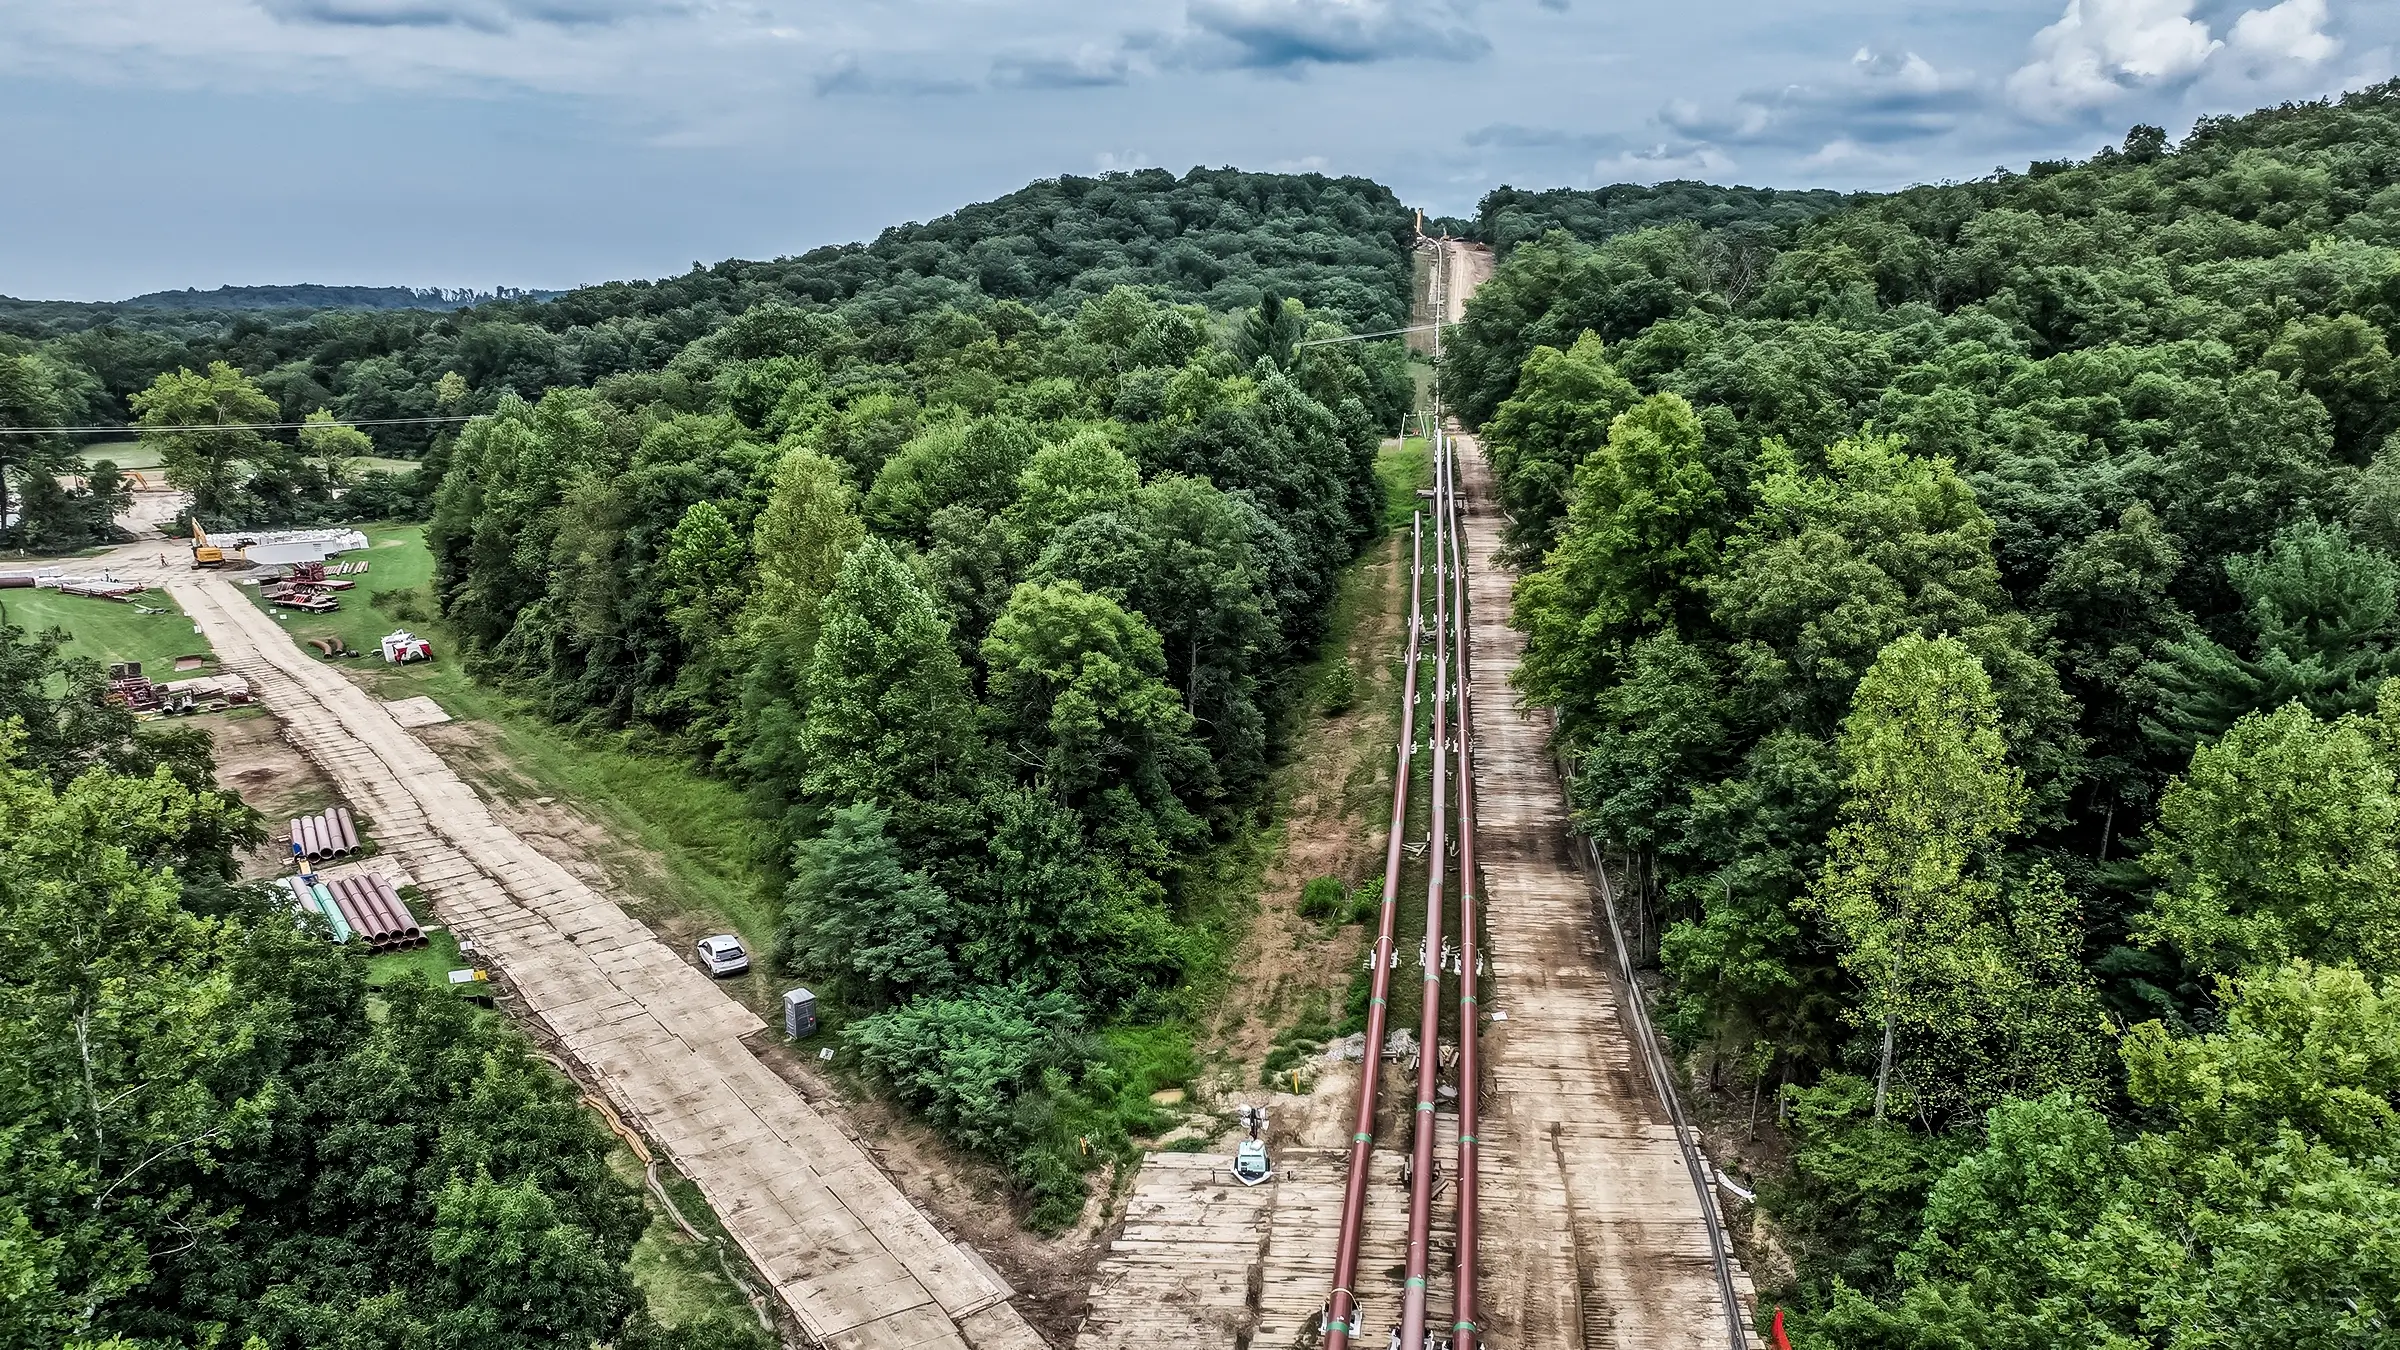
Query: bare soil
1335,799
268,773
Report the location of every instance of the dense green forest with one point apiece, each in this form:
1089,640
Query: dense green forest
1218,238
1507,216
1972,619
991,613
216,1133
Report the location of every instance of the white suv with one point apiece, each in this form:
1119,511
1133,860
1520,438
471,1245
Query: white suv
723,955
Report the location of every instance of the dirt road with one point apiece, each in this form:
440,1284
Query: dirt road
1594,1236
858,1265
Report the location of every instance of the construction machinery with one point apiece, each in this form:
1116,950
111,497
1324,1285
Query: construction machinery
313,574
204,553
403,647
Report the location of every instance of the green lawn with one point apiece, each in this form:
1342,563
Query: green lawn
105,630
431,963
135,455
401,571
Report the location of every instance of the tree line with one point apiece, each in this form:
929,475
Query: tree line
1971,614
992,615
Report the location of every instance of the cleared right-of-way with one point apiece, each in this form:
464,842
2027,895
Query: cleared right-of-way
1592,1234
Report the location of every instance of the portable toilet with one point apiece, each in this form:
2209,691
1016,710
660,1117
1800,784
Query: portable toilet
799,1014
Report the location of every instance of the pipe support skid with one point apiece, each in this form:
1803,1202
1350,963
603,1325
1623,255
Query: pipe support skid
1342,1306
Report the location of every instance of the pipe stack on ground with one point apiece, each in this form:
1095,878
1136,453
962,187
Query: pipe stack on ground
328,834
365,907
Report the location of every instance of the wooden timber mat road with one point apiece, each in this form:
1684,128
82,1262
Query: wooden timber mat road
1592,1236
859,1266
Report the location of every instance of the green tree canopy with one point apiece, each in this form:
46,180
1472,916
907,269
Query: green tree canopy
2281,841
211,465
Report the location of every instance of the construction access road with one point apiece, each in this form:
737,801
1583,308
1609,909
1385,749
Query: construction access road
858,1265
1593,1233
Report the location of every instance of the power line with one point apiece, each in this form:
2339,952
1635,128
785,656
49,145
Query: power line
1361,337
236,426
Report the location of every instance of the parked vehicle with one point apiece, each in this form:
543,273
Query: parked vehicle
723,955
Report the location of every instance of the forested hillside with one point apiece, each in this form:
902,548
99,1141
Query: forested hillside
1219,238
990,612
1972,624
216,1133
1507,216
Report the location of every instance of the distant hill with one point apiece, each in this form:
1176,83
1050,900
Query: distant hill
310,296
1509,216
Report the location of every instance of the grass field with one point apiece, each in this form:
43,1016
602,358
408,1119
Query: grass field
400,564
135,455
107,631
431,963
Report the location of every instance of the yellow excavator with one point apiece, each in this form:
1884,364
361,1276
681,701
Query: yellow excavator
204,553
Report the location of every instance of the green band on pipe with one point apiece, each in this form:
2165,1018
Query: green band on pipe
1424,1106
1416,1283
1375,1000
1469,1139
1468,998
1362,1138
1462,1326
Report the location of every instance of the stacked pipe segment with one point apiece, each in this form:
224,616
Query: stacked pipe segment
332,913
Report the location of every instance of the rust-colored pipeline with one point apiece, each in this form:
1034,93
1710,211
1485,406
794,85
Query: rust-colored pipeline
1342,1307
1429,1021
409,927
382,929
348,828
1465,1330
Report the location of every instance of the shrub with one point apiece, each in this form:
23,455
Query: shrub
1324,898
1339,690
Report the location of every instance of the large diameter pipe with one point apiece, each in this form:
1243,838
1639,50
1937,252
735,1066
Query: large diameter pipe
1429,1021
299,841
332,913
311,847
360,907
409,927
1465,1330
349,828
366,925
1342,1308
371,900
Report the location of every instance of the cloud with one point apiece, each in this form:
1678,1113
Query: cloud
2292,33
1512,136
1290,35
2101,49
1091,67
1662,162
1881,98
849,77
487,15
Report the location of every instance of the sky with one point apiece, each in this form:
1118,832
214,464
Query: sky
155,144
